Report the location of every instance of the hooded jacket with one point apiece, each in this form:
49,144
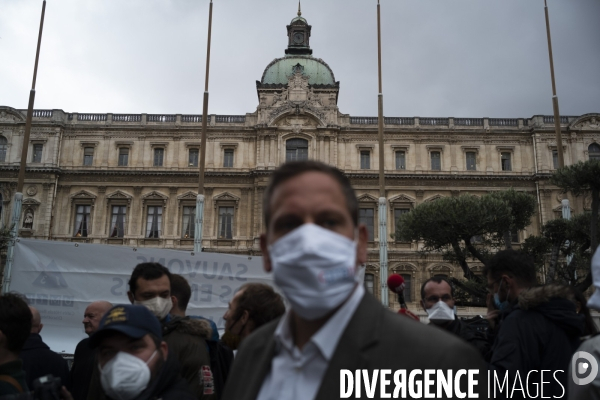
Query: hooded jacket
186,339
39,360
540,333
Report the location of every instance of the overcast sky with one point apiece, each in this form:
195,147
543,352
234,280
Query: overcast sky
441,58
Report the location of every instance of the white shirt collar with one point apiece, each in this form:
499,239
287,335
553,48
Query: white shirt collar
327,337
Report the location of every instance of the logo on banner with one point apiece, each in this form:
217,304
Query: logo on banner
51,278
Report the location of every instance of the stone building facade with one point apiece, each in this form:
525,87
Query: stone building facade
131,179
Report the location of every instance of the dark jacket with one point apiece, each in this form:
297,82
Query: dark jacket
14,370
186,339
540,333
468,334
375,338
39,360
82,369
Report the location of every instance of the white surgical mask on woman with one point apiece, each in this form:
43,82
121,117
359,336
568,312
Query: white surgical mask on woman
315,268
159,306
125,376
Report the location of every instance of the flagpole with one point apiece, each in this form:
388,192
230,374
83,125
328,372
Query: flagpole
383,258
559,147
200,198
18,198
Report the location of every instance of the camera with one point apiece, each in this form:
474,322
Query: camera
47,388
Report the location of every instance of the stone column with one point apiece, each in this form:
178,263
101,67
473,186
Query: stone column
176,163
489,148
65,191
209,213
136,214
243,214
171,211
322,154
453,158
418,165
348,160
272,153
260,152
210,152
99,213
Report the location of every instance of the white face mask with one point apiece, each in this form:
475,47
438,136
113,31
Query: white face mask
157,305
440,313
125,376
315,269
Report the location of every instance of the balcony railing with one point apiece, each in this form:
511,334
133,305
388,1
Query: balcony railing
42,113
127,117
468,121
398,121
230,119
193,118
549,119
161,118
363,120
433,121
504,122
91,117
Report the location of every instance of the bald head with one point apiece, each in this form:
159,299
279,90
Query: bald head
36,320
93,314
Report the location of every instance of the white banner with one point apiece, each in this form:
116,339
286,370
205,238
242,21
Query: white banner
60,279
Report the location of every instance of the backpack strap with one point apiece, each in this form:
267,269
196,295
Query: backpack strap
11,381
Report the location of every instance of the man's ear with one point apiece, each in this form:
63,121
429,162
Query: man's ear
175,303
264,247
130,296
361,248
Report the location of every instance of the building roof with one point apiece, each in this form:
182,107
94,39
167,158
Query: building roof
278,70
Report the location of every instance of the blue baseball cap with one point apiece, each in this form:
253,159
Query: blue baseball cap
134,321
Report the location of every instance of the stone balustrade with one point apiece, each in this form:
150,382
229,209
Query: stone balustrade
504,122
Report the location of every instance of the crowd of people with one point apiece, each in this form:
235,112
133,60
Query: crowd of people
151,348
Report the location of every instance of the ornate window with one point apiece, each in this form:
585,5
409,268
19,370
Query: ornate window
154,222
296,150
118,221
366,216
365,159
159,155
82,220
370,283
471,160
555,159
407,287
228,158
436,160
398,212
400,160
193,157
88,156
188,222
3,148
594,151
225,223
123,156
37,153
505,161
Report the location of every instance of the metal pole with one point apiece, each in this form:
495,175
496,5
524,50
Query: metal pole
559,146
200,198
18,198
383,259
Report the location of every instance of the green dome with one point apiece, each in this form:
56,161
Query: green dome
278,71
299,18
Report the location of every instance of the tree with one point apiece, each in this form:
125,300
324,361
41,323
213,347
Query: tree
466,227
522,208
579,179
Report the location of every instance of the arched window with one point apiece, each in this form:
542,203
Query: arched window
296,150
3,147
594,151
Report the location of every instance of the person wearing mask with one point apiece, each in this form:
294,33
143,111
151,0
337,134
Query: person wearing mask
133,359
539,327
253,305
150,286
313,245
589,390
84,357
38,359
221,357
181,293
15,326
437,299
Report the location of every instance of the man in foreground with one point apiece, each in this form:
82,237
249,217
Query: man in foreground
133,359
38,359
313,245
253,305
84,358
437,299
